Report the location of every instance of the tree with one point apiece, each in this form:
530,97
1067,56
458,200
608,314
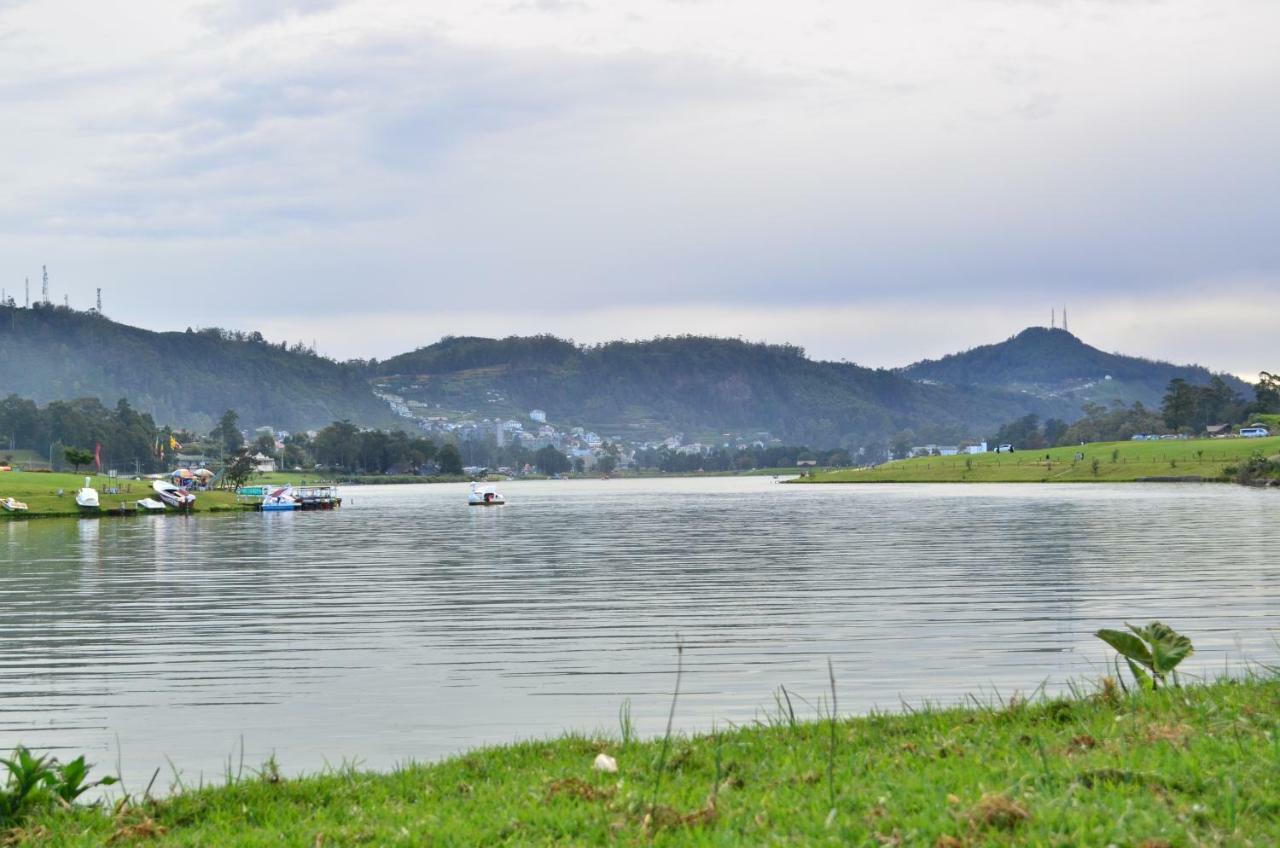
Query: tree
1267,393
227,433
77,457
448,460
265,444
239,469
551,461
1055,430
607,463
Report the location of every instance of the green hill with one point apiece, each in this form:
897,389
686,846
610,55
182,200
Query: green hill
184,379
703,387
1054,364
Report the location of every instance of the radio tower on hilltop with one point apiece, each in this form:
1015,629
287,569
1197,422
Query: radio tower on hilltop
44,291
27,303
1064,317
99,301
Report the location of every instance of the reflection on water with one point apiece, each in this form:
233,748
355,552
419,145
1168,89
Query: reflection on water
409,625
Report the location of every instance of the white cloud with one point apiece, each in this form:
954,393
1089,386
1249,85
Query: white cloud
558,164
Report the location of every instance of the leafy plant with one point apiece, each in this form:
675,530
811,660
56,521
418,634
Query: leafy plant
71,780
1152,652
34,779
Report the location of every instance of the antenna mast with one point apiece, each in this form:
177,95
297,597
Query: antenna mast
1053,318
1064,317
99,301
27,303
44,291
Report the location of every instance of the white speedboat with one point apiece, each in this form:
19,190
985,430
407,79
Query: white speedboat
150,505
485,496
13,505
173,496
87,497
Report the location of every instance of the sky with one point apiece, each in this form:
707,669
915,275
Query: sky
877,182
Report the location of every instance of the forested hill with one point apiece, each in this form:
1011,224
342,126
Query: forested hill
1052,363
703,387
184,378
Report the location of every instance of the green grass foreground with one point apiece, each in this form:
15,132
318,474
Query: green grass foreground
39,491
1175,767
1117,462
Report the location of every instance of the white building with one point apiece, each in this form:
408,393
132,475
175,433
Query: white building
538,415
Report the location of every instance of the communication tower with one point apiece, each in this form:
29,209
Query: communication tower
27,303
99,301
44,291
1053,318
1064,318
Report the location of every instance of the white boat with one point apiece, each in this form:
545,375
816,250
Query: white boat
87,497
13,505
150,505
485,496
173,496
279,500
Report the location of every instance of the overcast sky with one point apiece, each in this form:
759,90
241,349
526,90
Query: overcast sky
875,181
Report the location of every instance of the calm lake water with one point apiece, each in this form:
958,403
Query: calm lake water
407,625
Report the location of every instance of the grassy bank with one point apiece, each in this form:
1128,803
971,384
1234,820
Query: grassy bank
40,493
1101,462
1175,767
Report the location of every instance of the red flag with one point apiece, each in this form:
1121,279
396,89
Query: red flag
97,455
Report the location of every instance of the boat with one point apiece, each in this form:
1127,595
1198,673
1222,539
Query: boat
150,505
485,496
87,497
12,505
279,500
173,496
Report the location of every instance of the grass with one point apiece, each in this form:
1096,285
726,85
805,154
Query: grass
1174,767
40,493
1116,462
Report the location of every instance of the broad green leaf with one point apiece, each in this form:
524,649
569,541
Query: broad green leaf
1140,675
1129,646
1168,646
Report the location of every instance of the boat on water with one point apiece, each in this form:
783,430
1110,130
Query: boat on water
485,496
279,500
150,505
12,505
173,496
87,497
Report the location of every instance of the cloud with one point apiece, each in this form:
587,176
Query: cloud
650,158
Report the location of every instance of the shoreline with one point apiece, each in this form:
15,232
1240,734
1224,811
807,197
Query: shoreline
1113,765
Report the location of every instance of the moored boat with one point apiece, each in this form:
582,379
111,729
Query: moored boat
485,496
150,505
87,497
173,496
279,500
13,505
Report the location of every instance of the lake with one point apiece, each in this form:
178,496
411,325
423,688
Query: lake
409,626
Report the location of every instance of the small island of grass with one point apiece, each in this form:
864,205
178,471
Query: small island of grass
1100,462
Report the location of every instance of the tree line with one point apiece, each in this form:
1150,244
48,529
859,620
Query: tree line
1185,409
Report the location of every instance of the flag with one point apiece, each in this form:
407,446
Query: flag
97,455
173,444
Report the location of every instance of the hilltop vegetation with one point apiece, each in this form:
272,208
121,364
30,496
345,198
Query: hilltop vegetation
637,390
699,386
1052,363
188,379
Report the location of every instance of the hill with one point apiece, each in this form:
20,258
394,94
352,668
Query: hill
703,387
1054,364
183,379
